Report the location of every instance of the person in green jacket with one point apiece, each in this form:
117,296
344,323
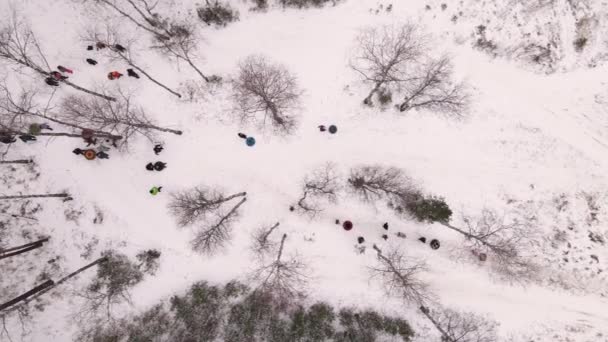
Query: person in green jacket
155,190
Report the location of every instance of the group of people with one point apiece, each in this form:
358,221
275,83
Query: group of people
157,166
33,130
348,225
59,75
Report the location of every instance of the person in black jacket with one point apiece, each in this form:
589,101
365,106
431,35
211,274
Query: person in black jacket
159,166
120,48
7,139
132,73
51,81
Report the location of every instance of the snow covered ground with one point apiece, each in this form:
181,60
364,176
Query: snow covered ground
528,137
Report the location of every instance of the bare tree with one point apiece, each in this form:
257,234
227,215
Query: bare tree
19,305
122,118
182,45
284,277
266,92
385,54
505,240
19,112
262,243
322,183
375,182
110,39
12,251
19,46
456,326
205,207
144,15
398,58
400,276
433,89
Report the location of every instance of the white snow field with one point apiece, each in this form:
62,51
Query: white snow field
529,137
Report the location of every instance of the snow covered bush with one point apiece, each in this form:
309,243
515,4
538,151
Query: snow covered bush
429,209
111,285
266,93
398,59
148,261
217,13
235,313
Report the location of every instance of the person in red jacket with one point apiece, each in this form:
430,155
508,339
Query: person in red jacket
112,75
64,69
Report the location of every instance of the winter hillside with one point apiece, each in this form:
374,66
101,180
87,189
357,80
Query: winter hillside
489,134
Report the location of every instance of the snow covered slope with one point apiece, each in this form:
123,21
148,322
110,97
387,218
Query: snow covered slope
528,137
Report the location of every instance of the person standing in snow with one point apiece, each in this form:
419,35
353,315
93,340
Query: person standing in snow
102,155
158,148
113,75
120,48
155,190
132,73
27,137
7,139
58,76
64,69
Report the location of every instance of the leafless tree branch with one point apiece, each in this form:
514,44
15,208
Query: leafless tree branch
456,326
284,277
322,183
198,205
399,275
267,93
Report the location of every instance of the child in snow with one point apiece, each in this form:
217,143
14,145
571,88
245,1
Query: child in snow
102,155
112,75
64,69
132,73
27,137
58,76
159,166
51,81
7,139
158,148
155,190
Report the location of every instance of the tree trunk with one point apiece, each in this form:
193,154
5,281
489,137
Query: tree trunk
23,246
75,86
196,69
161,129
20,161
148,76
4,253
52,286
25,296
445,337
63,195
